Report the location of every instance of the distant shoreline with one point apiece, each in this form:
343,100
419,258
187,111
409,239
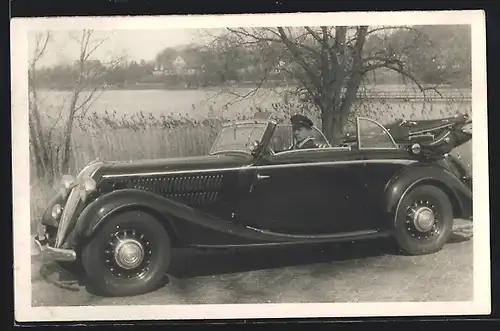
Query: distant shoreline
161,87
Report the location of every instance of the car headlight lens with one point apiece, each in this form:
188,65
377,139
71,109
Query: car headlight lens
87,186
56,211
67,182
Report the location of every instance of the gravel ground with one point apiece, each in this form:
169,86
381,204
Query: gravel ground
361,272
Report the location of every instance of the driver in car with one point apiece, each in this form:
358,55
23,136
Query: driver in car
302,130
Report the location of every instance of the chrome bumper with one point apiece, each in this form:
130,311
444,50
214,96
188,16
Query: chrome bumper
58,254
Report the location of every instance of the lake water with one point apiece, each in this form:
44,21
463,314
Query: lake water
228,103
197,104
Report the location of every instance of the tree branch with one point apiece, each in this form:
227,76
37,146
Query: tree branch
298,56
356,73
39,52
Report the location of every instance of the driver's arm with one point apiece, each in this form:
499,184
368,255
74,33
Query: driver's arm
309,144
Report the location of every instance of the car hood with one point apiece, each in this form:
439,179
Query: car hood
180,164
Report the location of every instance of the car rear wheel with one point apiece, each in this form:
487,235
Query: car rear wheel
128,255
424,220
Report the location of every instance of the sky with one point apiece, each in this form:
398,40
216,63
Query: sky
136,44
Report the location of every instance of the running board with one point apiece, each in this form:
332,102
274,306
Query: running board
306,239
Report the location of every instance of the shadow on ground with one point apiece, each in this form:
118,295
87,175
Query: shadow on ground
191,263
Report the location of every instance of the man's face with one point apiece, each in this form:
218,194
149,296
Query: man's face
300,133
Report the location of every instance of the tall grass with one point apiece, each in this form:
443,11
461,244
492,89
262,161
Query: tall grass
145,136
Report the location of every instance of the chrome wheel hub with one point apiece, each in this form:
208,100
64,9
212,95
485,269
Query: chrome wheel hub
424,219
129,254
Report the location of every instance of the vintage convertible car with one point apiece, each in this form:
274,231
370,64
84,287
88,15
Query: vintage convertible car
121,220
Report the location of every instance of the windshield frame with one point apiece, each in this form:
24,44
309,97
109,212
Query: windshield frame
379,125
252,124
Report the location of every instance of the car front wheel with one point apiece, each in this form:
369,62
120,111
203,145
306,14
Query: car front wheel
128,255
424,220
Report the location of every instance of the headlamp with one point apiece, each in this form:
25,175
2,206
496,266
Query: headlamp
87,186
66,184
56,211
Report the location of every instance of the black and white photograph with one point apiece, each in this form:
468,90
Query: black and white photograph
250,166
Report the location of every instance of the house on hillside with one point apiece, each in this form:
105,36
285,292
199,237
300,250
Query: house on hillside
180,65
161,70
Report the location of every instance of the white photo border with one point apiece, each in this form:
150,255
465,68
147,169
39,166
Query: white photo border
24,312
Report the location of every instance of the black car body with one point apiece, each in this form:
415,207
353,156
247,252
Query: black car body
120,220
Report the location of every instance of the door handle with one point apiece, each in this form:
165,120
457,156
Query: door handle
259,176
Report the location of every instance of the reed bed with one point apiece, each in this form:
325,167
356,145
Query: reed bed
110,136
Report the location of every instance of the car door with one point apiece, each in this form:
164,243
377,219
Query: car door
383,159
297,193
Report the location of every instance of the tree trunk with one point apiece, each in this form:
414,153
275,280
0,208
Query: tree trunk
338,132
326,124
331,119
68,133
72,109
332,126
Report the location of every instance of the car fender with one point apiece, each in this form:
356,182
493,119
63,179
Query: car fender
401,183
97,212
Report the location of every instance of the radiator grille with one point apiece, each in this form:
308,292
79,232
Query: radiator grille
194,190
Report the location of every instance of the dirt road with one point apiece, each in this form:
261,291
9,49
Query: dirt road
360,272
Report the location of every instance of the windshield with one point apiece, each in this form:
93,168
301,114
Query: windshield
236,138
372,134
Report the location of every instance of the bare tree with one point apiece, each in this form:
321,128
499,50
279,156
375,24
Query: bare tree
40,138
52,156
88,86
328,63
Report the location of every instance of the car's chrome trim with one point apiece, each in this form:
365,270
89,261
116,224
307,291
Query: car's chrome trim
431,129
294,165
58,254
230,151
72,202
305,239
331,149
272,166
416,136
67,215
174,172
247,122
93,166
311,236
379,148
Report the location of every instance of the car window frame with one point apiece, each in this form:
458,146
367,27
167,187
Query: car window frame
267,125
380,125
